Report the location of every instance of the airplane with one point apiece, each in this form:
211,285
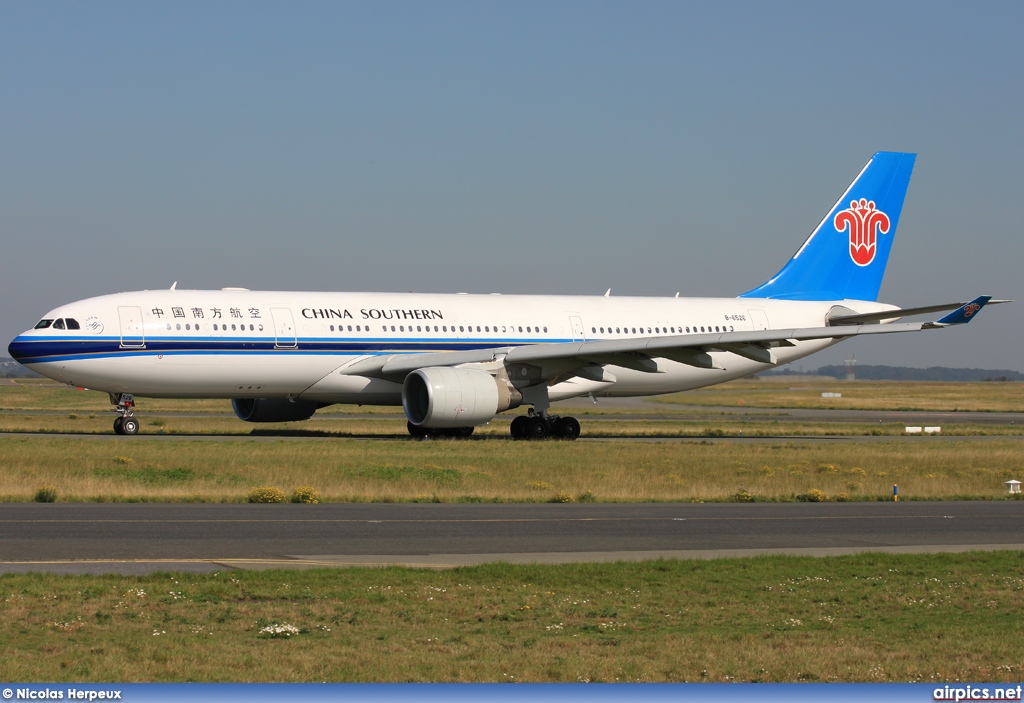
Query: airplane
456,361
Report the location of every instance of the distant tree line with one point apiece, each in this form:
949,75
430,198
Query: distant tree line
866,372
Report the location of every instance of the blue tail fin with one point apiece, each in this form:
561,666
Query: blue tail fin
845,256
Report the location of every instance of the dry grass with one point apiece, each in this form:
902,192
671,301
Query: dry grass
859,395
943,618
492,470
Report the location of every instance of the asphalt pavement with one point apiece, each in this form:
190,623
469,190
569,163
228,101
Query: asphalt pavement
139,538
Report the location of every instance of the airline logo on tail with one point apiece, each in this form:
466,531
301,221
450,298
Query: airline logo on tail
865,223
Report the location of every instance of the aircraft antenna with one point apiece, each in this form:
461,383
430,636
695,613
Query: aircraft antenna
174,285
851,363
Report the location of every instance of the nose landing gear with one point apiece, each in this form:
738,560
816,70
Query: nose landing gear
125,423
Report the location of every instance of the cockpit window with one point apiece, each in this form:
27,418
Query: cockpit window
43,324
72,323
58,325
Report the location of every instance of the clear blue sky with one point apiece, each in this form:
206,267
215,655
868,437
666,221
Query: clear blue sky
557,147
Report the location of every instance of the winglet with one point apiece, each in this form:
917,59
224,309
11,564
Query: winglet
965,313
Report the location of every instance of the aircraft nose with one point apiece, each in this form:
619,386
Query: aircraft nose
17,349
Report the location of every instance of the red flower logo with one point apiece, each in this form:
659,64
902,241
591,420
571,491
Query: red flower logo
864,223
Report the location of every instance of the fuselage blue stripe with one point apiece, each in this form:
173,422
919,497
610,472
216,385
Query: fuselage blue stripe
34,350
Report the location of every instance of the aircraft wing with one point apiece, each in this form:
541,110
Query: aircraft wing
639,352
899,313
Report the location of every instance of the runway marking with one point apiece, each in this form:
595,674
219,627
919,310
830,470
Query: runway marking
185,560
501,520
447,561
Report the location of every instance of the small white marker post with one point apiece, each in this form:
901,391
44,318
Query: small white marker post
1013,485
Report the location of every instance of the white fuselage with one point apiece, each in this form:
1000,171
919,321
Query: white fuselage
259,344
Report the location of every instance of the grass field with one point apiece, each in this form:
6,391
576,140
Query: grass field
507,471
940,618
345,467
863,618
859,395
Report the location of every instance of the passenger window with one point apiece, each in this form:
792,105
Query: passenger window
178,326
187,327
43,324
72,324
392,328
58,325
332,328
520,329
169,326
545,329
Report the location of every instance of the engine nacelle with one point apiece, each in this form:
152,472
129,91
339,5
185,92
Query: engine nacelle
444,397
273,409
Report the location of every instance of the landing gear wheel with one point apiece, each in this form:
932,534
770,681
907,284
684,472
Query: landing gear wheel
119,425
518,427
537,427
417,431
567,428
129,425
464,432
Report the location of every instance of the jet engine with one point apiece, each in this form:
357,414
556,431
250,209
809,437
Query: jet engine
273,409
445,397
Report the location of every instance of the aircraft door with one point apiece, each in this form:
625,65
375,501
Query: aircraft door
132,334
577,329
759,319
284,328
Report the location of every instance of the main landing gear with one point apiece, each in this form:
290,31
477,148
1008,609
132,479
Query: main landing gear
125,422
450,432
542,426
